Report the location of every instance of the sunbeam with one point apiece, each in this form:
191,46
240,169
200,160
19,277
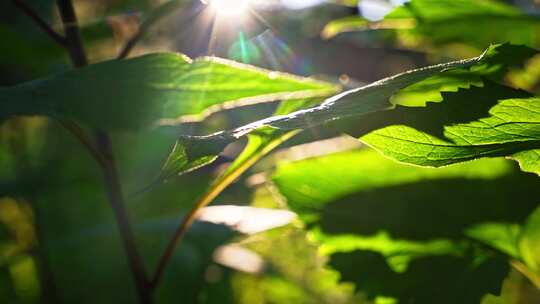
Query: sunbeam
229,8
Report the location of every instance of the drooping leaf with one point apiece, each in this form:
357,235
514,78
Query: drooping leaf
376,97
260,142
356,102
139,92
495,67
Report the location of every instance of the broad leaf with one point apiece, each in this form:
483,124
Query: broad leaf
139,92
510,126
385,224
465,279
310,185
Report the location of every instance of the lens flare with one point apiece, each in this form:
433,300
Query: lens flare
230,8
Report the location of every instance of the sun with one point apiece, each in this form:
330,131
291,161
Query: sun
229,8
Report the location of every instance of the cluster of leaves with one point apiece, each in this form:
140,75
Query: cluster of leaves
461,211
443,24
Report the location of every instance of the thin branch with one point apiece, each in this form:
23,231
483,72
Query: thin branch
116,199
81,135
154,16
130,44
215,189
110,173
44,26
73,36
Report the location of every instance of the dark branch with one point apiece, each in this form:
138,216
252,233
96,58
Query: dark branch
81,135
73,36
116,199
104,149
40,22
154,16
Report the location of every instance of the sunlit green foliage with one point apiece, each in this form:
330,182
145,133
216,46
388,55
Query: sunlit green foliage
346,189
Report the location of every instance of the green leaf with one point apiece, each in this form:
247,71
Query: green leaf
471,22
139,92
529,161
353,103
497,63
346,24
462,279
385,224
428,137
447,22
192,152
310,185
529,243
397,252
502,236
308,281
371,98
260,142
376,97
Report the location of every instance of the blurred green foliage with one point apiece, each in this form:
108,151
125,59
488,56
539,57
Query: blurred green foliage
368,229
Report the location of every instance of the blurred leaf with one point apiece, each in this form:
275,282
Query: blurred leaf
29,55
529,242
310,184
397,252
516,290
469,21
296,273
450,21
345,24
357,23
502,236
135,93
461,280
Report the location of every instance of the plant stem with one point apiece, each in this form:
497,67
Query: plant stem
81,135
40,22
110,172
116,200
47,278
71,126
153,17
73,37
